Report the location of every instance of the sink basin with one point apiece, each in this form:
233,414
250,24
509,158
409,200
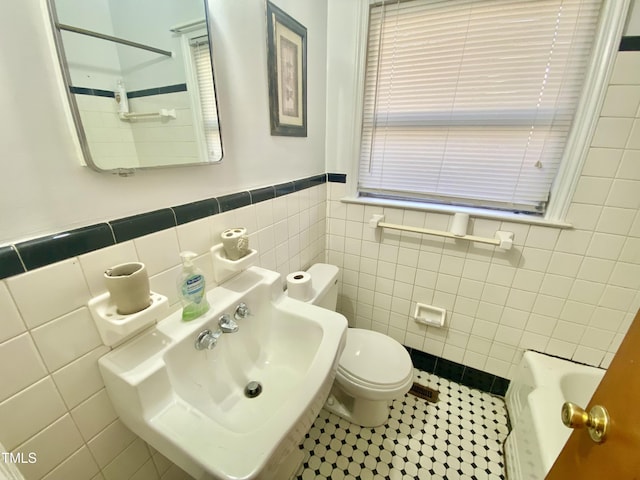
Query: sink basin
200,408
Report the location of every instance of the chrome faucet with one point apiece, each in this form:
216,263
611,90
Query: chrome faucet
207,339
242,311
227,324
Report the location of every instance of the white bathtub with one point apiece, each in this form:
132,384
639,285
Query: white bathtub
534,399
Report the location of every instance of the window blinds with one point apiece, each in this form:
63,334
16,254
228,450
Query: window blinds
471,101
204,74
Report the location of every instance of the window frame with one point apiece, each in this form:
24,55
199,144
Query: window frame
187,34
610,28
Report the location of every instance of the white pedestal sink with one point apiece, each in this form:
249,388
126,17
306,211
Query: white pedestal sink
191,405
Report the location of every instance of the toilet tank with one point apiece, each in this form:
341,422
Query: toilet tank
324,281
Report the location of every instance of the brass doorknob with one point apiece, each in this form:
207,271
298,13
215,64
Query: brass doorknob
597,420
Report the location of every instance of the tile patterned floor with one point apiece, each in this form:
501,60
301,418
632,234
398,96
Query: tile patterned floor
459,437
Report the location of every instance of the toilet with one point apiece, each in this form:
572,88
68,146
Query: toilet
374,369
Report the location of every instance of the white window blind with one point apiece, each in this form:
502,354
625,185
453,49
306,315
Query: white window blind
204,74
471,101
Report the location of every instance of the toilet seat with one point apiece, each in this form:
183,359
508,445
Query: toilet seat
374,361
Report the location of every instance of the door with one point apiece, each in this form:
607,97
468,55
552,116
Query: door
618,457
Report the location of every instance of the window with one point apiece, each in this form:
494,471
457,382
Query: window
472,102
201,57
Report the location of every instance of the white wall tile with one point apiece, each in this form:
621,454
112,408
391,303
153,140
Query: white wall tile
48,292
586,292
560,348
626,70
626,275
159,251
110,442
606,318
548,305
94,414
565,264
590,356
79,465
66,338
621,101
573,241
595,269
630,165
612,132
634,136
81,378
624,193
128,462
604,245
542,237
146,472
52,446
556,285
11,323
20,365
583,216
196,236
25,413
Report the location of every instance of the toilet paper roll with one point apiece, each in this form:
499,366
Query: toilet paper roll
235,242
459,224
299,286
128,285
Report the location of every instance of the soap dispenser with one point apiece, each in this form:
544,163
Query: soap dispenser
191,288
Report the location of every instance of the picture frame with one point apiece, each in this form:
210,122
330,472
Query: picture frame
287,73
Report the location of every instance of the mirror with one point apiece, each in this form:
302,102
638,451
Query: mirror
140,82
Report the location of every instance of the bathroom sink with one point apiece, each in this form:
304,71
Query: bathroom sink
240,409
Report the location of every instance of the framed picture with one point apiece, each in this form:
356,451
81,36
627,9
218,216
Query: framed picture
287,72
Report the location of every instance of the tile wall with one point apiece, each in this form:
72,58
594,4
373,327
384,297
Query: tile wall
114,142
110,139
52,398
166,141
570,292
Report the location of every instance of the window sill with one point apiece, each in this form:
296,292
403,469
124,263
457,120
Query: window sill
451,209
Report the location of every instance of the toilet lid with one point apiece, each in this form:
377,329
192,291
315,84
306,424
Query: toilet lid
374,358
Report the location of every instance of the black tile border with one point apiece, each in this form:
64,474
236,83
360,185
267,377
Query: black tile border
43,251
261,194
136,226
39,252
148,92
630,44
196,210
468,376
234,200
10,263
337,177
96,92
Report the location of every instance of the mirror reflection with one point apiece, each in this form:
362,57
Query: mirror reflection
140,81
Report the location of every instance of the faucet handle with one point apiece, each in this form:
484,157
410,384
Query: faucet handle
242,311
227,324
207,339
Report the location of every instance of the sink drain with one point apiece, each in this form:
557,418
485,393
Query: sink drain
253,389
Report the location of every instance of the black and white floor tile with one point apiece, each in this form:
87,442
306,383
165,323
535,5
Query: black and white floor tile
459,437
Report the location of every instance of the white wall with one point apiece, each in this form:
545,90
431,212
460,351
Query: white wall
46,189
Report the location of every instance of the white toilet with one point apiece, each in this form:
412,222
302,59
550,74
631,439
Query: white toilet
374,369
